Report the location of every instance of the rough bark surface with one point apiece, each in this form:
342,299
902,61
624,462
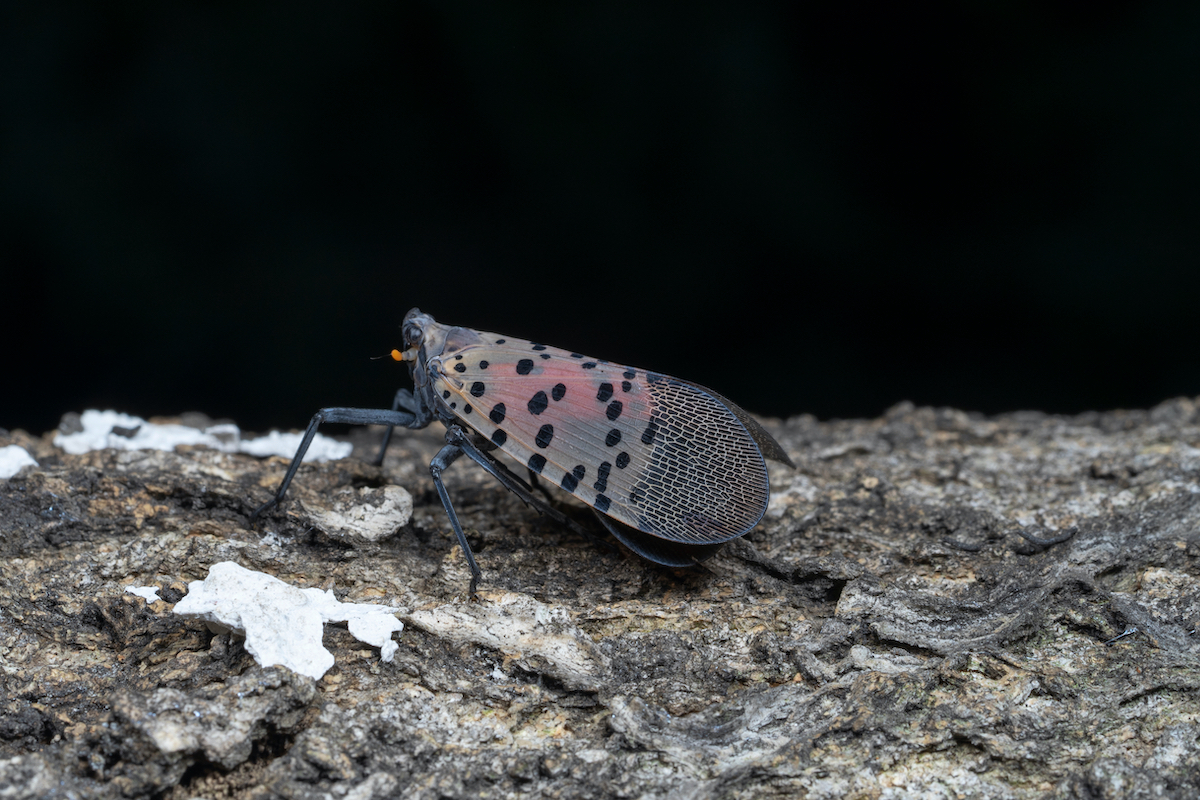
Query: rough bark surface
889,630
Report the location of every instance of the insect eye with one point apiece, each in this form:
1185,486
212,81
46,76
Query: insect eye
412,336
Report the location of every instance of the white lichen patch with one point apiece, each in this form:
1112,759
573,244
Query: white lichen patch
147,593
282,624
12,459
111,429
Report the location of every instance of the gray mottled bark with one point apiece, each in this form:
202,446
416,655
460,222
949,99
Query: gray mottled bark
901,624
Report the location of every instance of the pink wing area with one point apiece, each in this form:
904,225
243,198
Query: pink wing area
659,454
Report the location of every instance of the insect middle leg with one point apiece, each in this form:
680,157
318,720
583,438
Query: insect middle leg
514,484
445,457
459,443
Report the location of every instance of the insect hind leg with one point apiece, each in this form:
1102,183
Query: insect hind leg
540,487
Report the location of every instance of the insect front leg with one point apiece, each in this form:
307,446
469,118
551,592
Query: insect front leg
354,416
403,400
445,457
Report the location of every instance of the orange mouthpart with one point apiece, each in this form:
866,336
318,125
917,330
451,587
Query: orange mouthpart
408,355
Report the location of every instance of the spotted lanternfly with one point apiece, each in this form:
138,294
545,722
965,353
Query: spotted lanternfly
672,469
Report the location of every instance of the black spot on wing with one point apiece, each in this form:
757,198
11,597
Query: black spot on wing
545,435
605,393
601,484
499,437
538,403
571,480
614,410
477,389
559,391
537,463
525,366
613,438
497,414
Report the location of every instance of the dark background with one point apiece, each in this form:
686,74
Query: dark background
822,208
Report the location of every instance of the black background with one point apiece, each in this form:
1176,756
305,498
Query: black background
822,208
